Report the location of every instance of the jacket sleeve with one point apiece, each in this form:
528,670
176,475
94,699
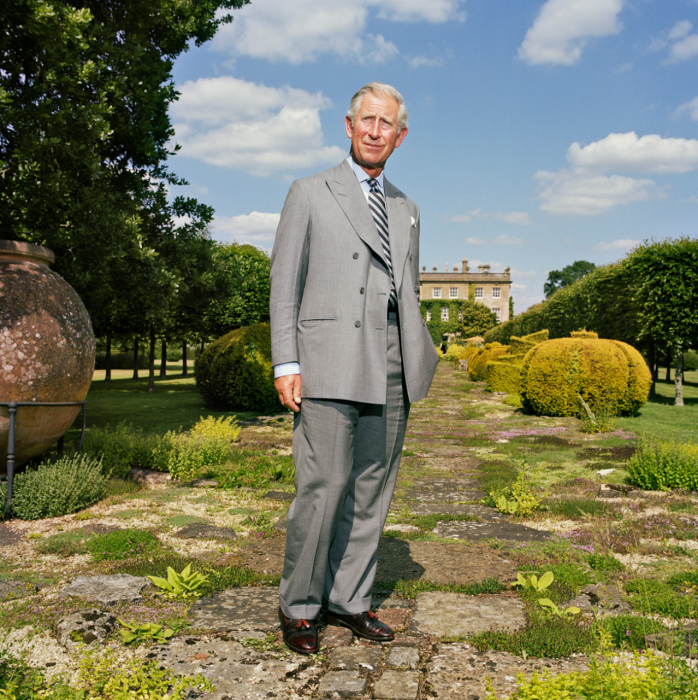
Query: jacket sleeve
289,264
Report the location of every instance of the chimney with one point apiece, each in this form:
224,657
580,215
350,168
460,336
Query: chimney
455,268
465,265
483,268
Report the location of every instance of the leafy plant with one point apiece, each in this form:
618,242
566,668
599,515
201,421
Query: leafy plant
560,612
122,544
517,499
133,633
223,427
57,488
652,596
601,421
659,465
121,448
604,562
532,582
183,584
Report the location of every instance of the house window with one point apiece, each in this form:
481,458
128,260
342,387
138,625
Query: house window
496,292
453,292
478,293
444,313
436,293
428,314
498,314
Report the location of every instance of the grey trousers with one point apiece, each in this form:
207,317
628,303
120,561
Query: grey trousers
346,456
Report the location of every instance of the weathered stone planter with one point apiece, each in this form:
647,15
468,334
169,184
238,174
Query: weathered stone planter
47,349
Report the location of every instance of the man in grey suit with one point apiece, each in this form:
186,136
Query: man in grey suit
350,353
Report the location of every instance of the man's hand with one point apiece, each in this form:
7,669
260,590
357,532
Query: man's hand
289,388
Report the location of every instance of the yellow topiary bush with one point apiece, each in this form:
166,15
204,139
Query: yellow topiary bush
608,374
503,375
454,352
584,333
477,367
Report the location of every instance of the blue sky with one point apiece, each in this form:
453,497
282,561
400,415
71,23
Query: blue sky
540,132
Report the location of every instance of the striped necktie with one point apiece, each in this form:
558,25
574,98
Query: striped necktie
376,204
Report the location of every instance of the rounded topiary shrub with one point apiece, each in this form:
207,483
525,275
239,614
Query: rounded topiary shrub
608,374
235,371
477,367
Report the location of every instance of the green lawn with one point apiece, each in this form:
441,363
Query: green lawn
661,418
175,403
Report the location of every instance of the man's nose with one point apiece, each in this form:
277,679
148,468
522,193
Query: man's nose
375,130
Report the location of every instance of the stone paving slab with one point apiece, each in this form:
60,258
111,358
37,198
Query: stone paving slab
238,609
444,614
463,530
444,491
403,657
343,684
107,590
459,671
356,658
237,672
483,512
440,563
7,535
204,531
397,685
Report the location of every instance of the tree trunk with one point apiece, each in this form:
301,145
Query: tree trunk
135,358
654,367
151,361
163,359
185,369
107,362
668,364
678,378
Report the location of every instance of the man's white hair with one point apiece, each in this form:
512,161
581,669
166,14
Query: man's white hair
379,89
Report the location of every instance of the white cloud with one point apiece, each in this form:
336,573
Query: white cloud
593,184
628,153
562,28
681,41
419,61
473,240
518,287
622,245
518,218
508,240
300,31
434,11
690,107
257,129
257,227
579,193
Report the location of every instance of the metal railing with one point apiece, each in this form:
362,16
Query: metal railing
12,407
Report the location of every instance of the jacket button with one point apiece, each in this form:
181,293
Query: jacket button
355,256
361,291
358,324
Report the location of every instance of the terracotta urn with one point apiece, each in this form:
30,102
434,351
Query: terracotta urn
47,349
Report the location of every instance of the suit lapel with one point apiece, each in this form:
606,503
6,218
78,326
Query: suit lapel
399,227
350,197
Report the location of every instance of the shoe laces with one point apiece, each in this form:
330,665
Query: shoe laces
303,624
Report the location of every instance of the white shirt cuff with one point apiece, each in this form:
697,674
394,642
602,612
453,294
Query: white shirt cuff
286,368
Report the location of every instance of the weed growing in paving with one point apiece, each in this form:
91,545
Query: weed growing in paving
573,508
411,588
652,596
123,544
64,544
604,562
184,520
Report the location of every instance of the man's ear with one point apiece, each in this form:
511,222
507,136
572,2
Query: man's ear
401,137
349,126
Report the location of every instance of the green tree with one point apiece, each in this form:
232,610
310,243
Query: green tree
85,88
558,279
666,294
241,296
476,319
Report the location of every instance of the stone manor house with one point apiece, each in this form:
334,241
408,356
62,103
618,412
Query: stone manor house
484,287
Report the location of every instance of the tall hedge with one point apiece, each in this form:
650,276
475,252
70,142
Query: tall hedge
608,374
235,373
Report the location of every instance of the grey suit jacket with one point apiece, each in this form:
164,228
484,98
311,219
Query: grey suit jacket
330,286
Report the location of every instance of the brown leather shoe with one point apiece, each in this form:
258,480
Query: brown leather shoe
364,624
299,635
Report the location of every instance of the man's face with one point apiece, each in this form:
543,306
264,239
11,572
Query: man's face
374,134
